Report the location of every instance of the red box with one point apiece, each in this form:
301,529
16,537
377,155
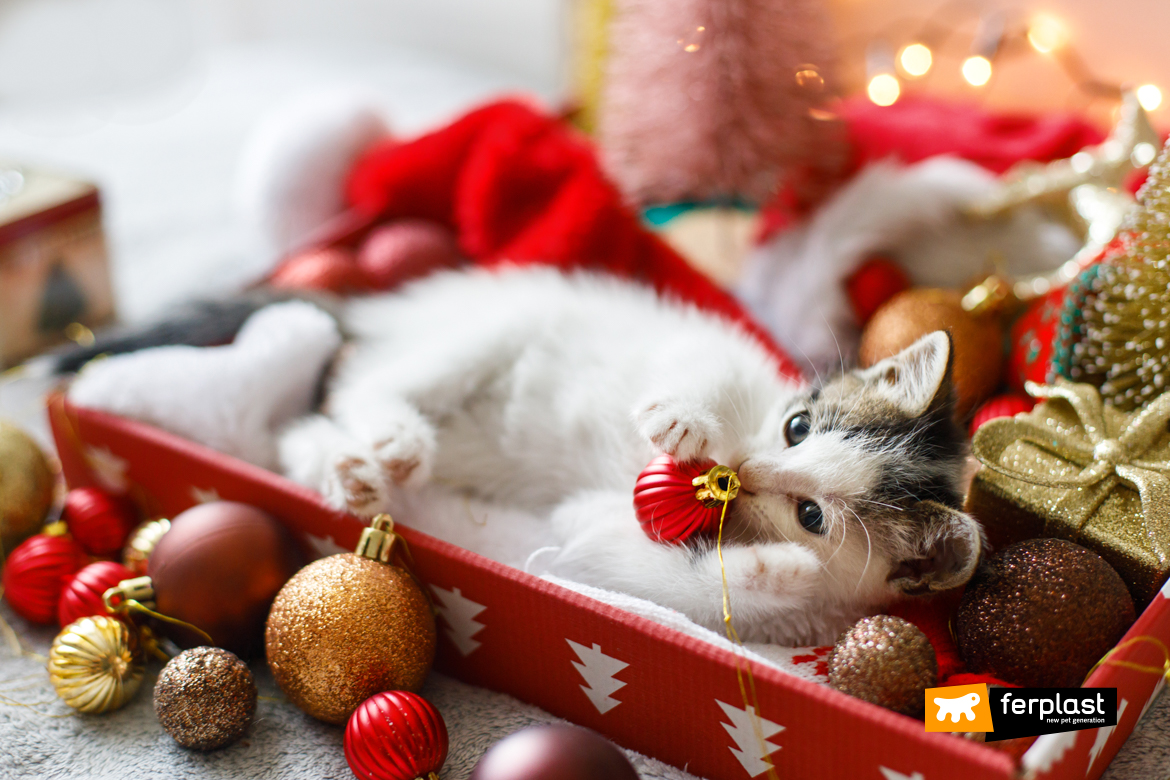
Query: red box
679,698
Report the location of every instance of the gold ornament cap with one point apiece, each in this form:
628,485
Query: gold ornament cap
718,485
139,589
377,542
96,664
143,540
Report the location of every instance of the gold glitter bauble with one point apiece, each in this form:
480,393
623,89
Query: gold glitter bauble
1040,613
884,660
141,544
26,487
95,664
344,628
205,698
1125,345
977,339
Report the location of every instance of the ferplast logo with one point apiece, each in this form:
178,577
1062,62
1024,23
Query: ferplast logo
958,708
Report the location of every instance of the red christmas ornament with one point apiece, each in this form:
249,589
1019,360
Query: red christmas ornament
396,735
36,573
1007,405
332,269
82,596
99,522
405,250
674,501
876,281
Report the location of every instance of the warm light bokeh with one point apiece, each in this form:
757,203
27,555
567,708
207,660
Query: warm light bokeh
884,89
916,59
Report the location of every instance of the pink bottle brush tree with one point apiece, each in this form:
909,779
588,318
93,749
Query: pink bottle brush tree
715,100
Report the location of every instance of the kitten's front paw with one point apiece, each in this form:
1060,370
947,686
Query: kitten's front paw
782,571
356,485
406,453
680,430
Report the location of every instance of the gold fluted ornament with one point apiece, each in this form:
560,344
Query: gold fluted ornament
141,544
96,664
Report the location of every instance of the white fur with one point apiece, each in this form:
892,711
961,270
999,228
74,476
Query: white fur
794,283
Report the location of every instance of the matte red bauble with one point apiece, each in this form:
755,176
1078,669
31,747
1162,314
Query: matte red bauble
99,522
219,568
36,573
82,596
675,501
405,250
876,281
554,753
396,735
1007,405
330,269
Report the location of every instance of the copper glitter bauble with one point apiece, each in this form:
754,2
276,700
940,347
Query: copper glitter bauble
554,753
977,339
26,487
347,627
1040,613
218,568
141,543
95,664
884,660
205,698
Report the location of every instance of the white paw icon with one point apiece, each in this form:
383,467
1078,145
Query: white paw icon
961,705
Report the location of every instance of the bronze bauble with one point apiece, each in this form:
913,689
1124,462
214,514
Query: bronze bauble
1040,613
554,752
26,487
884,660
977,339
347,627
218,568
205,698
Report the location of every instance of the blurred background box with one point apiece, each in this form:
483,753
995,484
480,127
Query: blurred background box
54,268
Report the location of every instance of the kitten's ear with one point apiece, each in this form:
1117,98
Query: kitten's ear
944,554
919,377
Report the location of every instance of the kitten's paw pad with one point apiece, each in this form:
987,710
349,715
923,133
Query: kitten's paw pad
682,431
357,486
406,455
778,570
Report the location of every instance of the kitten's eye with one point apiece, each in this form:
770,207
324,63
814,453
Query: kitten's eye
811,518
797,429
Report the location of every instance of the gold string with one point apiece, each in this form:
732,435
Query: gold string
132,605
733,636
1162,671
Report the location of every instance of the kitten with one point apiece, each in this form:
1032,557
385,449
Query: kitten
547,392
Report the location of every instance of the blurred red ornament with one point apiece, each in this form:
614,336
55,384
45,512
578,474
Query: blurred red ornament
330,269
675,501
99,522
396,735
876,281
37,571
1007,405
554,753
82,596
405,250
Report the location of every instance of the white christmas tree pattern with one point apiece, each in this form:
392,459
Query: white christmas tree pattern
1103,735
108,469
1048,750
751,733
598,669
891,774
201,496
459,613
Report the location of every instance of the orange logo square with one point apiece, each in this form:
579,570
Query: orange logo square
958,708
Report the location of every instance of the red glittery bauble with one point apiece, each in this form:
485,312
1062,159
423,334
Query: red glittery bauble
99,522
82,596
554,753
1007,405
330,269
396,735
665,503
36,573
405,250
876,281
219,568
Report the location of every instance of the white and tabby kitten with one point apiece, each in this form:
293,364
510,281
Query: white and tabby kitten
550,393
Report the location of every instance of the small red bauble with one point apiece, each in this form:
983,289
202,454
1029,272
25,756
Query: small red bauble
82,596
99,522
36,573
876,281
331,269
675,501
1007,405
396,735
405,250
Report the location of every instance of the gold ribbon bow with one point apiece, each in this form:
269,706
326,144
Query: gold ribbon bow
1110,452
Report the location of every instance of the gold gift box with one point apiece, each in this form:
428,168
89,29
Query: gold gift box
1072,468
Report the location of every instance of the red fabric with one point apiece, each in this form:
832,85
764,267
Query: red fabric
520,187
932,616
877,280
